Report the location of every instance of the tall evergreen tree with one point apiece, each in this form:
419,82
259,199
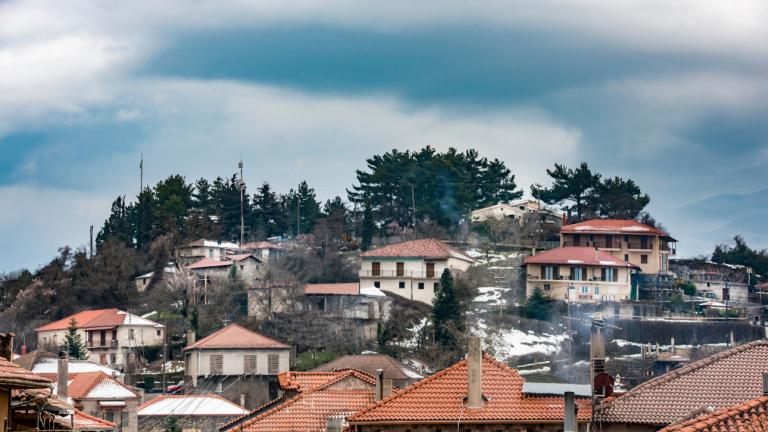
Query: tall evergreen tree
143,215
568,185
447,314
303,208
173,200
368,228
118,224
616,198
73,344
268,217
226,200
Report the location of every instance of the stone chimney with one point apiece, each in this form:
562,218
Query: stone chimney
569,419
672,346
6,346
62,377
190,337
474,373
379,391
596,349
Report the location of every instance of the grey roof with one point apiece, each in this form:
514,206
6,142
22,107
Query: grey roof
558,389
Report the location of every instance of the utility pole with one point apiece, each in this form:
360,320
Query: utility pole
91,241
298,212
165,350
413,203
141,173
242,214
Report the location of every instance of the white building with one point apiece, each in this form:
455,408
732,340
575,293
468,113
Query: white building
411,269
169,272
110,335
514,210
199,249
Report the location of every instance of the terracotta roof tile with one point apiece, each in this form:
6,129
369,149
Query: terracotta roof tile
440,398
718,381
235,336
750,416
302,381
211,263
352,288
14,376
82,384
611,226
426,248
576,255
369,363
100,318
85,421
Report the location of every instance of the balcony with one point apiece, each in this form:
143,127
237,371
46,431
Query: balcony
101,343
409,274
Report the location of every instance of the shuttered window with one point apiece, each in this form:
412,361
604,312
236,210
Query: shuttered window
273,364
217,364
249,364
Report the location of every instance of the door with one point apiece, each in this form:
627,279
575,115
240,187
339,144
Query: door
430,270
400,268
375,269
103,336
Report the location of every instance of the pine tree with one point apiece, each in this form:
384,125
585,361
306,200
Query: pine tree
368,228
118,224
538,306
447,314
568,185
171,424
73,344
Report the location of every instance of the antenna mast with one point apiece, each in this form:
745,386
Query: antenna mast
141,173
242,214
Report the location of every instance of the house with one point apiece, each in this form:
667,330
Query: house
346,300
199,249
12,378
169,273
83,422
318,407
110,335
200,413
401,375
240,362
744,416
580,274
713,383
717,281
411,269
209,271
642,245
478,393
46,364
100,395
264,250
514,211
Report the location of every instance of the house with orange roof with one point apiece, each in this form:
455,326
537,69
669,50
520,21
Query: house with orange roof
580,274
100,395
478,393
645,246
751,416
319,402
196,250
239,362
111,336
12,378
411,269
209,271
192,412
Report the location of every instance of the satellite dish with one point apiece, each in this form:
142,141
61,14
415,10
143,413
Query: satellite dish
603,385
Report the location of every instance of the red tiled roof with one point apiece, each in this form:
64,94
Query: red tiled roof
85,421
352,288
369,363
302,381
611,226
310,410
235,336
440,398
92,319
261,245
750,416
576,255
13,376
426,248
718,381
81,384
210,262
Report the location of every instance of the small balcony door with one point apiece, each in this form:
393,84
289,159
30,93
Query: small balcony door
103,338
401,269
375,269
430,270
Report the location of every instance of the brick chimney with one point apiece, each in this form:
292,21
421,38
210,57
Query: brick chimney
474,373
62,377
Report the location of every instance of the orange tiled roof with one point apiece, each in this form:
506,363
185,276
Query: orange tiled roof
750,416
425,248
718,381
303,381
81,384
577,255
211,263
95,319
611,226
235,336
85,421
440,398
352,288
13,376
310,410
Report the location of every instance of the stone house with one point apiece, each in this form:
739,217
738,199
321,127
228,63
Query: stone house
514,211
393,369
194,413
100,395
199,249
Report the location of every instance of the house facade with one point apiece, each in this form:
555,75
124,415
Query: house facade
199,249
411,269
111,336
100,395
512,211
580,274
647,247
194,413
264,250
210,271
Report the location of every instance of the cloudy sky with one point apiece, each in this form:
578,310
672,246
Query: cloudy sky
673,94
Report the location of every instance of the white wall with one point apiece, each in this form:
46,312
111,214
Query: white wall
415,272
234,360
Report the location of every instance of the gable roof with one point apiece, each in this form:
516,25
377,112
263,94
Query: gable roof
303,381
612,226
718,381
84,421
577,255
99,319
13,376
425,248
97,385
30,359
369,363
750,416
236,336
190,405
440,399
310,410
212,263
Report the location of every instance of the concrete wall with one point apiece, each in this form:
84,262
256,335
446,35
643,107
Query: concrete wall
233,361
124,417
142,336
597,290
414,273
626,247
194,423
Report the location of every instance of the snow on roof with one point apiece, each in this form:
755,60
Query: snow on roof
184,405
540,388
372,292
99,319
51,365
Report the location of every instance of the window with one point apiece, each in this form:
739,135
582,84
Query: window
110,416
113,358
547,287
430,270
242,267
401,285
249,364
400,269
103,358
159,332
210,252
626,257
377,284
608,274
585,290
437,286
643,259
375,268
421,285
549,272
217,364
273,364
578,273
132,334
597,290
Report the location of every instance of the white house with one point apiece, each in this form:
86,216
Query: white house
199,249
514,210
411,269
110,335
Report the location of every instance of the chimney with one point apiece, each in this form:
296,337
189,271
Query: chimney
62,377
596,349
569,420
733,340
386,388
765,383
474,373
6,346
242,399
190,337
672,346
379,392
23,349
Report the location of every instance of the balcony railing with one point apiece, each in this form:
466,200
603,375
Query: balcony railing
101,343
568,278
400,274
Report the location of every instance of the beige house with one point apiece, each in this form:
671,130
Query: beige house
110,335
411,269
199,249
514,210
102,396
645,246
209,271
580,274
170,272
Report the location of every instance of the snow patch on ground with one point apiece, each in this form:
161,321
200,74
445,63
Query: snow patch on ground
491,295
509,343
482,258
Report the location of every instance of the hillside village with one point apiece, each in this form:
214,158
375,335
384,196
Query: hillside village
569,311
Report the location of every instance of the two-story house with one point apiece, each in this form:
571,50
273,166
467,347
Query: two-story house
208,271
580,274
636,243
411,269
110,335
239,362
514,211
199,249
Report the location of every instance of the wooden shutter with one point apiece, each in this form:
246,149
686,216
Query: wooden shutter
430,270
273,364
249,364
400,268
217,364
375,268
